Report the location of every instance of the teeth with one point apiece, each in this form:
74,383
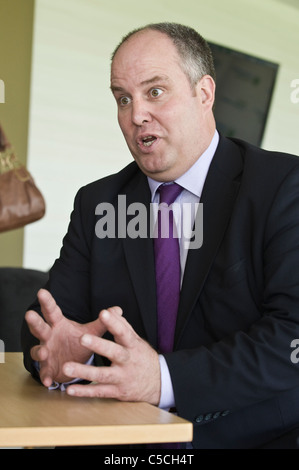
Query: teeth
149,143
149,140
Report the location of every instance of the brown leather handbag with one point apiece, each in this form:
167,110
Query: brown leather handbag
21,202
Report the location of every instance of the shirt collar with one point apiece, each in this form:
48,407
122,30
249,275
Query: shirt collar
193,180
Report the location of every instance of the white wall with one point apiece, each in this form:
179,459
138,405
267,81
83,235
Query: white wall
74,136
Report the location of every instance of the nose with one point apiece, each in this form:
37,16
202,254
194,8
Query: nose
140,113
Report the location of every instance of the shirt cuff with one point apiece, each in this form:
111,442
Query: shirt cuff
63,386
167,396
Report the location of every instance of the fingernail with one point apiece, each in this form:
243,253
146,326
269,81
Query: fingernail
70,391
86,340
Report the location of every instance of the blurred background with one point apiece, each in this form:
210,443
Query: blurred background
60,116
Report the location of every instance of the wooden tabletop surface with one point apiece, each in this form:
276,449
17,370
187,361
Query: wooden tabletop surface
32,416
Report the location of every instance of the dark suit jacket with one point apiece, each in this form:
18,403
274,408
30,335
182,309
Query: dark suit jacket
239,308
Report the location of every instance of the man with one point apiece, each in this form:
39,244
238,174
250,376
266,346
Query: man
229,369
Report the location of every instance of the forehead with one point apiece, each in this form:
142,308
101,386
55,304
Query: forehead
144,54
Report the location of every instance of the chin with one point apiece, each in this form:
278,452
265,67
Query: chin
155,167
164,175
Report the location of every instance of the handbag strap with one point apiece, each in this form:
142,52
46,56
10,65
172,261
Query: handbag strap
4,143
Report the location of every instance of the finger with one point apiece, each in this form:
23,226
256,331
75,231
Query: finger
115,310
39,353
98,327
46,376
50,310
90,373
104,347
37,326
118,326
93,390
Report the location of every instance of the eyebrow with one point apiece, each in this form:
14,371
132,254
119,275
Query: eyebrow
155,79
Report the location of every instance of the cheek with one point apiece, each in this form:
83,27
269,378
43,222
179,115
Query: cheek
168,118
176,123
123,123
120,119
170,109
176,112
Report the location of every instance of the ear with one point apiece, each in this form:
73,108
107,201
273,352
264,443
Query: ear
206,91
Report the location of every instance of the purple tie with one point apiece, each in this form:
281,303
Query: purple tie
167,260
168,274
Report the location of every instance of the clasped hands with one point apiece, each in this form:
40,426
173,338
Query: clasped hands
65,346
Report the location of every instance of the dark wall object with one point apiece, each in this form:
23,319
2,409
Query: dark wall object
244,88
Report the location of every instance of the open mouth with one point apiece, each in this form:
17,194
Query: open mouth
148,140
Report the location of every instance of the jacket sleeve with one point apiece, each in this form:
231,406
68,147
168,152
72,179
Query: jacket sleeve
69,276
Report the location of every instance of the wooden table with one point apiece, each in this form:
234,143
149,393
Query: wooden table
32,416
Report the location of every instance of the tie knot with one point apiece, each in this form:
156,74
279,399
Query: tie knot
169,192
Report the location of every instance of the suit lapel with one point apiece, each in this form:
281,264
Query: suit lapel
219,193
140,259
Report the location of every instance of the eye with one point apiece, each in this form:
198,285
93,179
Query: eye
124,100
155,92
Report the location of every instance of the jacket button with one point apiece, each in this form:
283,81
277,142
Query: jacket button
225,413
199,418
208,416
216,415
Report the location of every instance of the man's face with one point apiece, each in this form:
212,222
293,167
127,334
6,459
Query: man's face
167,124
